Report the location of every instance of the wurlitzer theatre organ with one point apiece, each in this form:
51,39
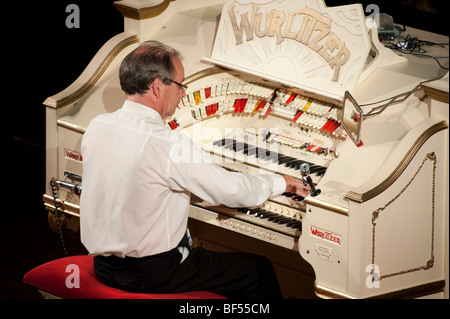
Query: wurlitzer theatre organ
297,88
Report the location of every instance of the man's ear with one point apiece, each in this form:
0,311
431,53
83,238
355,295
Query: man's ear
156,87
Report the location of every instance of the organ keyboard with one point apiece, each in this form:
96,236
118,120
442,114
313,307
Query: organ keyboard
294,97
247,144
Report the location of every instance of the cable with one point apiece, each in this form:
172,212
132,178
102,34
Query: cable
58,214
414,46
405,93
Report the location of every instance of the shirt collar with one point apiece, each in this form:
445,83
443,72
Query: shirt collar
142,109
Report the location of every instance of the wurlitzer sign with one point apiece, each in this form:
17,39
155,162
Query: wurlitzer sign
302,44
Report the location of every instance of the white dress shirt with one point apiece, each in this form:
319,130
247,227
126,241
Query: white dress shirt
136,190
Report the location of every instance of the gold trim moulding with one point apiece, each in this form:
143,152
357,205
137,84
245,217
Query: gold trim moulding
362,197
327,293
192,78
142,13
71,127
408,293
66,208
325,205
54,102
435,93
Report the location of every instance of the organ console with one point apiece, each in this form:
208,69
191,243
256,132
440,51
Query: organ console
292,87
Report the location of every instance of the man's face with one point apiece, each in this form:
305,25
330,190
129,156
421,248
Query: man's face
174,92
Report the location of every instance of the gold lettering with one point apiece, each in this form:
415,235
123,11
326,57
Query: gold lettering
245,25
323,31
302,29
258,32
339,60
314,32
316,16
275,27
330,45
287,32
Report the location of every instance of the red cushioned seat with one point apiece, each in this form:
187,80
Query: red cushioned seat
51,278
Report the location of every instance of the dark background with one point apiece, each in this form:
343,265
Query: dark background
41,57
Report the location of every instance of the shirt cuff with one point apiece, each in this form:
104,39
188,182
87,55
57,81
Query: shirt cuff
279,185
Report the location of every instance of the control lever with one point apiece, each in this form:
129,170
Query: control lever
307,180
76,188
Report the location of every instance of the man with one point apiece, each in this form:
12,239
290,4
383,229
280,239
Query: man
135,201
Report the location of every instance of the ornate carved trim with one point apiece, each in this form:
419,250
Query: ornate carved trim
376,214
142,13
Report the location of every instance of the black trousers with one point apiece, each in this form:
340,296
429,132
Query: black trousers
232,275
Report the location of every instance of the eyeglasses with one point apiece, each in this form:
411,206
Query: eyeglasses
182,86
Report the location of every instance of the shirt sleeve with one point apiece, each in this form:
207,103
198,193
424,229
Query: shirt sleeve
193,170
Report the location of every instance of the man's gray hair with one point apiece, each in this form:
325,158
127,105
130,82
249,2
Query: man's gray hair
150,61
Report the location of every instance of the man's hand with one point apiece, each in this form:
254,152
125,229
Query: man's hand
295,185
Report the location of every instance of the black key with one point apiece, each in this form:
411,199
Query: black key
284,220
284,159
291,223
295,225
258,212
276,219
238,146
295,165
265,214
287,163
250,150
229,144
244,210
314,168
321,171
244,147
260,152
273,157
219,142
268,155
